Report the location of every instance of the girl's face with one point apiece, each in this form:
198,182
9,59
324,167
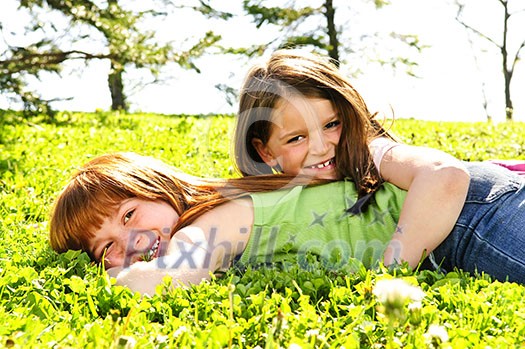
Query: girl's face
137,230
303,138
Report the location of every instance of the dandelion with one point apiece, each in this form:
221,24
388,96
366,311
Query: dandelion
162,339
436,335
179,331
315,337
414,313
126,342
312,333
397,291
394,294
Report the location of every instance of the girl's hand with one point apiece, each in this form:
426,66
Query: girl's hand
196,251
185,263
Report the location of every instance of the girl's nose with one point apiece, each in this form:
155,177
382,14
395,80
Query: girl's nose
138,244
130,248
318,144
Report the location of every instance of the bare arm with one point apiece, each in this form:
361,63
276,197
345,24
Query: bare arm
437,185
196,251
183,263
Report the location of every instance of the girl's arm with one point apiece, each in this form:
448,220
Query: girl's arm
184,263
437,185
195,252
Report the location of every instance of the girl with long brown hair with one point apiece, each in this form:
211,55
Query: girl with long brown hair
145,220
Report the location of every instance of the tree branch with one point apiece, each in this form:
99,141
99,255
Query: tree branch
28,60
460,21
517,56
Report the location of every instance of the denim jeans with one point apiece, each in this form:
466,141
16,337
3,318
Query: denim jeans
489,235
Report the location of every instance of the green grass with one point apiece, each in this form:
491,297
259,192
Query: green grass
62,301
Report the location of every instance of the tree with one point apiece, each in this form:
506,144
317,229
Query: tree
509,56
317,27
124,43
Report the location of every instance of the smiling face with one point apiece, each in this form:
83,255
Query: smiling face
137,230
303,138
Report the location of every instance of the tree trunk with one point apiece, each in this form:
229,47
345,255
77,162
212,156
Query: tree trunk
333,50
116,87
507,63
507,73
509,109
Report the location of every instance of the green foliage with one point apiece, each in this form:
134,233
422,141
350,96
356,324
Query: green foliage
120,37
52,300
326,26
465,140
284,16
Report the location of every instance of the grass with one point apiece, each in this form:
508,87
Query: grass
65,301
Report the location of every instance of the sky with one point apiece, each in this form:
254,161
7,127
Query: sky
449,86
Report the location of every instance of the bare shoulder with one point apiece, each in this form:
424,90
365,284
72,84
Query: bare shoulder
226,230
234,208
231,216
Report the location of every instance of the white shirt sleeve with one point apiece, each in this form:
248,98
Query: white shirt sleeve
378,148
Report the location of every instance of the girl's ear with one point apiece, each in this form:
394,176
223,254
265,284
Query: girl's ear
264,152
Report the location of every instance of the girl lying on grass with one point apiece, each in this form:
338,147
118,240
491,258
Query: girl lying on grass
300,116
145,220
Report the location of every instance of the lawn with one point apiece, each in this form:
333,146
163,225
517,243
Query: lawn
65,301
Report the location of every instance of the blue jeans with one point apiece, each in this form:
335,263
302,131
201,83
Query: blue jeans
489,235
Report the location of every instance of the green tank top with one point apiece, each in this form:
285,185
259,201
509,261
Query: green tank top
295,225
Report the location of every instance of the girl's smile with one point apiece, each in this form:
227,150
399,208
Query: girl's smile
329,164
303,138
138,230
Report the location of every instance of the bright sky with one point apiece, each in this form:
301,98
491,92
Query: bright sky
449,87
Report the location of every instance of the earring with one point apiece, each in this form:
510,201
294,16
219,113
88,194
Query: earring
276,169
273,163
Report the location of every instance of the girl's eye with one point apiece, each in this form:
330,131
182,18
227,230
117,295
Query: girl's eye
128,215
332,124
295,139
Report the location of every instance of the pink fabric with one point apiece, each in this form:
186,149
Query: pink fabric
517,166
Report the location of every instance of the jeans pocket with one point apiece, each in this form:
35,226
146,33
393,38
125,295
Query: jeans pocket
488,182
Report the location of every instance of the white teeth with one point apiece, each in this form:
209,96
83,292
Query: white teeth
323,165
153,250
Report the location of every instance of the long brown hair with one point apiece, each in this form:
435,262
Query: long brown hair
290,73
98,187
